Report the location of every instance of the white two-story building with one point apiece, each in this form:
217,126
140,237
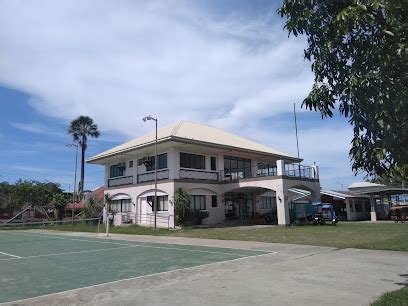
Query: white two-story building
228,176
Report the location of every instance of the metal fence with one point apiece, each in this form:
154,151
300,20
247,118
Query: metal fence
147,177
120,181
198,175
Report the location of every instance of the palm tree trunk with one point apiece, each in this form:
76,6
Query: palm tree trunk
83,148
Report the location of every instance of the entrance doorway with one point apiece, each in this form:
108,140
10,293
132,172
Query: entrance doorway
239,206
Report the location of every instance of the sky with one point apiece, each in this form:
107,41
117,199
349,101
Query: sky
228,64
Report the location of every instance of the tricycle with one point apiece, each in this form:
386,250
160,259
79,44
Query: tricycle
324,212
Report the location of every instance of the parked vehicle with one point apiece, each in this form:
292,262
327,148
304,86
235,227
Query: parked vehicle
399,213
324,212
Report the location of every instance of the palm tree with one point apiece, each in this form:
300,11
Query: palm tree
80,129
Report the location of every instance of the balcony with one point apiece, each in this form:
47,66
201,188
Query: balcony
299,171
120,181
290,170
198,175
149,176
247,173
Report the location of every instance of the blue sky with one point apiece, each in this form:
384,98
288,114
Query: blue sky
224,63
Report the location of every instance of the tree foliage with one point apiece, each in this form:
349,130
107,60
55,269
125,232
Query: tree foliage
93,208
59,202
359,58
25,192
80,129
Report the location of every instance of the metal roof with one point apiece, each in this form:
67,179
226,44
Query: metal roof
185,131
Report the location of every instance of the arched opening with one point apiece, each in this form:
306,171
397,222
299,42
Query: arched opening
250,205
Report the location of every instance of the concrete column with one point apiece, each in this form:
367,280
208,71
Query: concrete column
254,168
373,211
346,201
107,169
282,204
280,167
315,171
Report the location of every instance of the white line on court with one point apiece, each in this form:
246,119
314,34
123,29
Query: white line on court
140,277
67,253
141,245
11,255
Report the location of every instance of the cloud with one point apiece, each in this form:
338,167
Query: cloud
119,61
35,128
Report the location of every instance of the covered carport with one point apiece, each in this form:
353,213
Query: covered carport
377,194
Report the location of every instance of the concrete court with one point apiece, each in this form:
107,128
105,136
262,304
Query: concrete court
295,274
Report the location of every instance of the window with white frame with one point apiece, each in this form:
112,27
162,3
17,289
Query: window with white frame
198,202
122,205
162,202
266,202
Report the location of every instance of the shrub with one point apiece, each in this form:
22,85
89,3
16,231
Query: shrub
182,211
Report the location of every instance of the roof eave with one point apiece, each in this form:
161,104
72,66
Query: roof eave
97,158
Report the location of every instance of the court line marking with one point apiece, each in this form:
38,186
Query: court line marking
11,255
113,238
144,246
67,253
137,277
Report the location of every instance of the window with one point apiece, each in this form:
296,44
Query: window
123,205
198,202
266,170
213,163
367,206
162,202
237,167
359,206
151,162
131,164
214,201
192,161
117,170
266,202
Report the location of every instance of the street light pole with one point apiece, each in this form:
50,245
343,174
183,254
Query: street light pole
75,177
155,172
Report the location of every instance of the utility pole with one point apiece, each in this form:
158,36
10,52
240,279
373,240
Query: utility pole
155,171
297,139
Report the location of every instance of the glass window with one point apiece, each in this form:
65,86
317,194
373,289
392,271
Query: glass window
198,202
123,205
213,163
237,167
151,162
214,201
131,164
266,202
162,202
117,170
192,161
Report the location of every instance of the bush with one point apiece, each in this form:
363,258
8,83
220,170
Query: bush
182,211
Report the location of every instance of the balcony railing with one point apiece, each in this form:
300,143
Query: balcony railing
245,173
147,177
198,175
300,171
120,181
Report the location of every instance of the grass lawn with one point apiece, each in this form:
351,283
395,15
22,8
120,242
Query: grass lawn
376,236
394,298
